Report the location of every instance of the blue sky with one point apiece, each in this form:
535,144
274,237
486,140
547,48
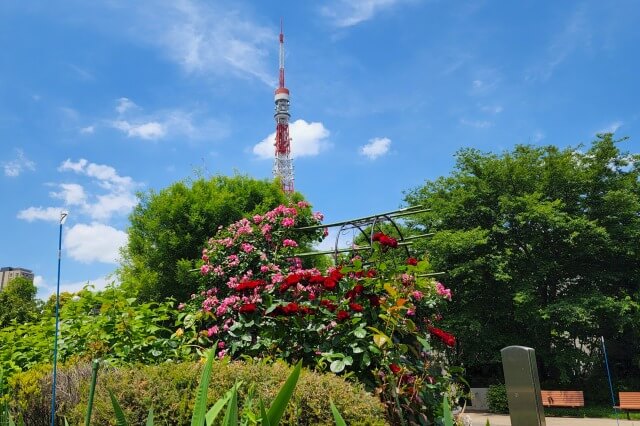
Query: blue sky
101,99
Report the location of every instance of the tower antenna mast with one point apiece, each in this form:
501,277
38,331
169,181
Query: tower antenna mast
283,164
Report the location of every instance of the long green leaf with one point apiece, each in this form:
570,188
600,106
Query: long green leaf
150,417
446,411
336,415
66,423
263,414
121,420
231,416
200,409
282,399
213,412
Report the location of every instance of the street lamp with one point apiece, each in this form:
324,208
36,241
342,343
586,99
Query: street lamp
63,218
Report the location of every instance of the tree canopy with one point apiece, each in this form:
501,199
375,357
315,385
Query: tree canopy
541,248
17,301
169,229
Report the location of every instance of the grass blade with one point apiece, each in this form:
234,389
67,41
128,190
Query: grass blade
263,415
446,411
212,414
282,399
121,420
231,416
336,415
200,409
150,417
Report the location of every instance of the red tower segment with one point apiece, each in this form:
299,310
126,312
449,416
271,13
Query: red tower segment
283,165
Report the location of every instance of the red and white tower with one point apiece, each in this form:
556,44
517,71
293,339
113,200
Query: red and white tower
283,165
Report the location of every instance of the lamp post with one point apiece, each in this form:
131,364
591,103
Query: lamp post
63,218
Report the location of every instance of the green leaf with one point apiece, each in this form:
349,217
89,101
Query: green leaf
201,395
121,420
336,415
150,417
231,416
337,366
282,399
212,414
446,410
360,333
263,414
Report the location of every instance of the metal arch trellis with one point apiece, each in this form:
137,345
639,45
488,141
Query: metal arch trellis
372,223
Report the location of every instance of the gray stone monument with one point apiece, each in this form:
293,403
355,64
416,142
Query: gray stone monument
523,386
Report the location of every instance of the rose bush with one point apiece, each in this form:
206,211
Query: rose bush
372,318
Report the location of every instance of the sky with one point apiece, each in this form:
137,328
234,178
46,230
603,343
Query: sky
101,100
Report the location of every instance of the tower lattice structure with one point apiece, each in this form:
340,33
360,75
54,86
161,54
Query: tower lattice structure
283,164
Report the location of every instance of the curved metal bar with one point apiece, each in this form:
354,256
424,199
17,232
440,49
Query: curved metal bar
406,248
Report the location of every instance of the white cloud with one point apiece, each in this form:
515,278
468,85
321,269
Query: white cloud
150,130
307,140
71,193
478,124
611,128
50,214
491,109
94,243
46,290
124,104
347,13
538,136
205,37
88,130
20,164
376,147
113,203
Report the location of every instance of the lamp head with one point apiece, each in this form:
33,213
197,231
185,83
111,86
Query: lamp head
63,217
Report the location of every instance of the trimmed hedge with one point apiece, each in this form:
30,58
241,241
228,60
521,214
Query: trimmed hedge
497,399
170,389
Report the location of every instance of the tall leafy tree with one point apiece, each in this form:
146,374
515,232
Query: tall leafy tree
169,229
542,248
17,301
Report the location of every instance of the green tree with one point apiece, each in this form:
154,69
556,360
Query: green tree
169,229
17,301
541,249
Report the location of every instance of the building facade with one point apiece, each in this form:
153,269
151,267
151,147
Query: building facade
9,273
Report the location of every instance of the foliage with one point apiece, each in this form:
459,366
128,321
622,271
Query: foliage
170,226
17,301
541,249
103,324
497,399
373,320
170,388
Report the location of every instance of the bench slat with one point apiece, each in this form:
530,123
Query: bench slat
562,398
629,400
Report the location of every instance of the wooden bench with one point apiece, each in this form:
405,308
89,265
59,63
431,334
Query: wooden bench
571,399
629,401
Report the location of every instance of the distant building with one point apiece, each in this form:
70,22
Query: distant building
9,273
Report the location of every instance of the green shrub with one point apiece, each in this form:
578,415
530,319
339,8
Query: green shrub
497,399
170,389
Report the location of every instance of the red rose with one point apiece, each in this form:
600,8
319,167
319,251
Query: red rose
316,279
249,285
330,283
355,291
355,307
412,261
395,368
371,273
328,304
305,310
336,274
290,309
249,308
377,236
447,338
342,315
374,300
293,279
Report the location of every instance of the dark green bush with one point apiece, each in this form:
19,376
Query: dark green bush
497,399
170,388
